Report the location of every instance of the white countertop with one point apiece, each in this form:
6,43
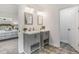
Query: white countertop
35,32
44,30
32,32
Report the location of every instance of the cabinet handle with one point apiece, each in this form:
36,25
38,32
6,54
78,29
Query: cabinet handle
68,29
78,28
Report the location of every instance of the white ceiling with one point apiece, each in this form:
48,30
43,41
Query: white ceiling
49,6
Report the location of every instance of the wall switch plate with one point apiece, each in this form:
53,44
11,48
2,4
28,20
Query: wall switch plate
78,28
69,29
78,44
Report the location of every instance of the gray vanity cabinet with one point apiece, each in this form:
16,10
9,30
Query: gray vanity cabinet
44,38
31,42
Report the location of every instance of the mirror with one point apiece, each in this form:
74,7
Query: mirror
28,18
40,20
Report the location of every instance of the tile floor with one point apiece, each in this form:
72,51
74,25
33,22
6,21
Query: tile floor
68,47
11,47
55,50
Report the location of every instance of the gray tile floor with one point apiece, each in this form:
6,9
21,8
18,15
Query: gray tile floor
68,47
55,50
65,49
11,47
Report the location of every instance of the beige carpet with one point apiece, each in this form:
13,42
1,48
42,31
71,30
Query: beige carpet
9,46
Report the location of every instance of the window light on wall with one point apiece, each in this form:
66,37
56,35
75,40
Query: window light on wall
29,10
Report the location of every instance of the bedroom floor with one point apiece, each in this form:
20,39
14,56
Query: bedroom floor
11,47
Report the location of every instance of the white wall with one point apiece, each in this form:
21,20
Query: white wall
52,23
21,25
8,10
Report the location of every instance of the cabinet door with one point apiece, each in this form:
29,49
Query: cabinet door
35,38
45,35
31,42
27,43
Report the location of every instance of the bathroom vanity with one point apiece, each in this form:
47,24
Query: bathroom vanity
33,34
31,41
35,40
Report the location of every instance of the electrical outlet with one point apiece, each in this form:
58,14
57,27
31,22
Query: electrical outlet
68,29
78,44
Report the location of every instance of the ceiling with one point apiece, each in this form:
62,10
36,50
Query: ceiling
49,6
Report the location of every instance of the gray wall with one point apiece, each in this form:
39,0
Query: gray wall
8,10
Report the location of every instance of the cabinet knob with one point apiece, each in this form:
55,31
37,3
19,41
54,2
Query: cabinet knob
19,30
78,28
68,29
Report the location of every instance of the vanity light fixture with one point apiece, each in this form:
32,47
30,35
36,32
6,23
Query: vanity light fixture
29,10
40,13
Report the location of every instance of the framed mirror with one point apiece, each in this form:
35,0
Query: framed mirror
40,20
28,18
